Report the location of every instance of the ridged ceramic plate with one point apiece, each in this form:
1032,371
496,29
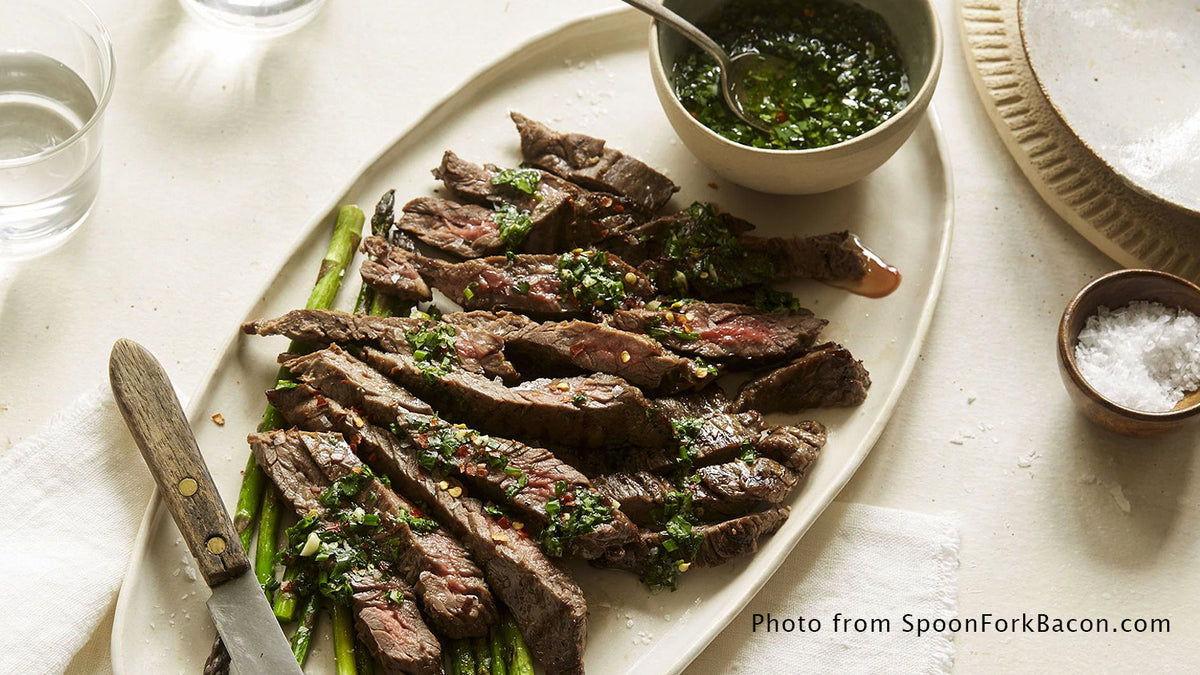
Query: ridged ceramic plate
588,76
1125,77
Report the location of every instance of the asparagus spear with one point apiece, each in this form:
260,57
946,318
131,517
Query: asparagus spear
302,638
521,661
464,658
483,655
500,655
343,640
288,599
347,232
381,222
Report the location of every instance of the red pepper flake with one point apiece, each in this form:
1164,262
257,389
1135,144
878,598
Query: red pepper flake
321,401
713,186
619,208
780,116
287,586
462,451
503,522
523,534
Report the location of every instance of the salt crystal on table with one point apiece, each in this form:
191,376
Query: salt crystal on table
1143,356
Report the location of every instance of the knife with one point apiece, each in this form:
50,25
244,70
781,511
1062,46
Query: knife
238,606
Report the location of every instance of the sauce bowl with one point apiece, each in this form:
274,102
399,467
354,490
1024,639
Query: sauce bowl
919,38
1118,289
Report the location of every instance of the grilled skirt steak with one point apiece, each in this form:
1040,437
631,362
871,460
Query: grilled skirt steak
396,634
827,376
835,256
573,346
722,490
477,351
448,584
586,161
390,631
463,230
547,604
591,411
721,542
398,280
506,471
724,332
526,283
724,437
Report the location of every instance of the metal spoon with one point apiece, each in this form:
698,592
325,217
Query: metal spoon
734,71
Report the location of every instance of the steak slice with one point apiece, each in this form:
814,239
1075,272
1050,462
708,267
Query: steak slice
395,632
548,605
574,346
463,230
720,491
477,351
827,376
526,478
390,630
449,586
720,542
397,278
526,283
586,161
724,332
723,437
592,411
835,256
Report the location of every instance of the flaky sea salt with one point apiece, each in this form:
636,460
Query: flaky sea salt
1143,356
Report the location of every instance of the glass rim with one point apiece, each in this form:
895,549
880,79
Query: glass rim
108,73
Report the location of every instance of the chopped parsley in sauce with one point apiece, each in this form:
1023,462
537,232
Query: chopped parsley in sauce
433,349
513,225
590,279
521,180
844,77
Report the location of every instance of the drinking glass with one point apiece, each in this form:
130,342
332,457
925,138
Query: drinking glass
56,76
260,17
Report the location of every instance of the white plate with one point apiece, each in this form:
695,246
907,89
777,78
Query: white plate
588,76
1125,77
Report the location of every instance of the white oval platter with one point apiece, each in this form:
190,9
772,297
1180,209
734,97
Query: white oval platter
589,76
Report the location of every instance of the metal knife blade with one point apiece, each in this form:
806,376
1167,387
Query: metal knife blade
239,608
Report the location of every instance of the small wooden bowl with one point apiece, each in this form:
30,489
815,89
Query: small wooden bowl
1116,290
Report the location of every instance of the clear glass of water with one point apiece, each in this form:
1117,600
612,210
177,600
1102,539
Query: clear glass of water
56,76
259,17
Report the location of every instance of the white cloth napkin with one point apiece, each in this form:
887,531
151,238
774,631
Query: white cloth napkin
864,562
74,496
80,487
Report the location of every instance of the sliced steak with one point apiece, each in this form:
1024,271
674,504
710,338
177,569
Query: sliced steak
449,586
720,491
391,631
724,437
398,278
827,376
711,401
724,332
547,604
586,161
540,285
835,256
525,478
720,542
582,346
476,351
395,632
591,411
463,230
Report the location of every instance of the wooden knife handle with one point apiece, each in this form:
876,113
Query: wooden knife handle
154,417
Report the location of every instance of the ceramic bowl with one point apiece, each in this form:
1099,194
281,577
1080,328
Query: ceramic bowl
1115,290
919,38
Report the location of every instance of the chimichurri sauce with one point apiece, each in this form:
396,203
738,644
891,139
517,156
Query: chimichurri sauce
844,75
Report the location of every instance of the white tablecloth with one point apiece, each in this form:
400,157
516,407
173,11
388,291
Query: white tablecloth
214,147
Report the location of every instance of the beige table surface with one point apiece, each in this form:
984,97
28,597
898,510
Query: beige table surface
214,149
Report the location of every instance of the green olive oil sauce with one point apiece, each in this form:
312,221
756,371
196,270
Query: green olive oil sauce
845,74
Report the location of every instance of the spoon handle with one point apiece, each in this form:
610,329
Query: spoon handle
685,28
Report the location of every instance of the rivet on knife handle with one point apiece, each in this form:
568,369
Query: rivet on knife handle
151,410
